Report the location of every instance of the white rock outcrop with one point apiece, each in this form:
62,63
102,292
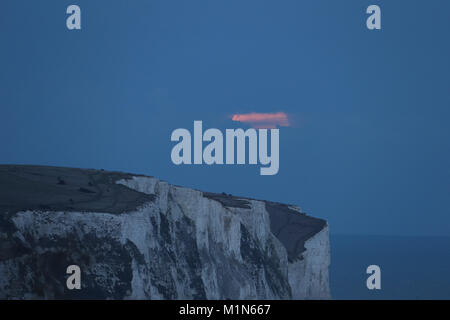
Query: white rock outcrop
181,244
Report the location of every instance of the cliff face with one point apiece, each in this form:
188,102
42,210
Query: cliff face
137,237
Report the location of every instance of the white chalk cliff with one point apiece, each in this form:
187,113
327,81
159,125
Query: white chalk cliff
137,237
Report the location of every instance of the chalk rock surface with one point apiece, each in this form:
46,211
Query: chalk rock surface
137,237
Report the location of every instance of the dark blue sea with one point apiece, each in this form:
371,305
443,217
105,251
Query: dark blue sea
411,267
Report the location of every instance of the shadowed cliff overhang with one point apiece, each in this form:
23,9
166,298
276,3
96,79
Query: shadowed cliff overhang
291,227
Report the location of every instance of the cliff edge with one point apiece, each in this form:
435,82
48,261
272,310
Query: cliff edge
137,237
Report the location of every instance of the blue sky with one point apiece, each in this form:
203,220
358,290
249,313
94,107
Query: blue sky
370,150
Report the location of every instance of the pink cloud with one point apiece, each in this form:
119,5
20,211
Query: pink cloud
263,120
